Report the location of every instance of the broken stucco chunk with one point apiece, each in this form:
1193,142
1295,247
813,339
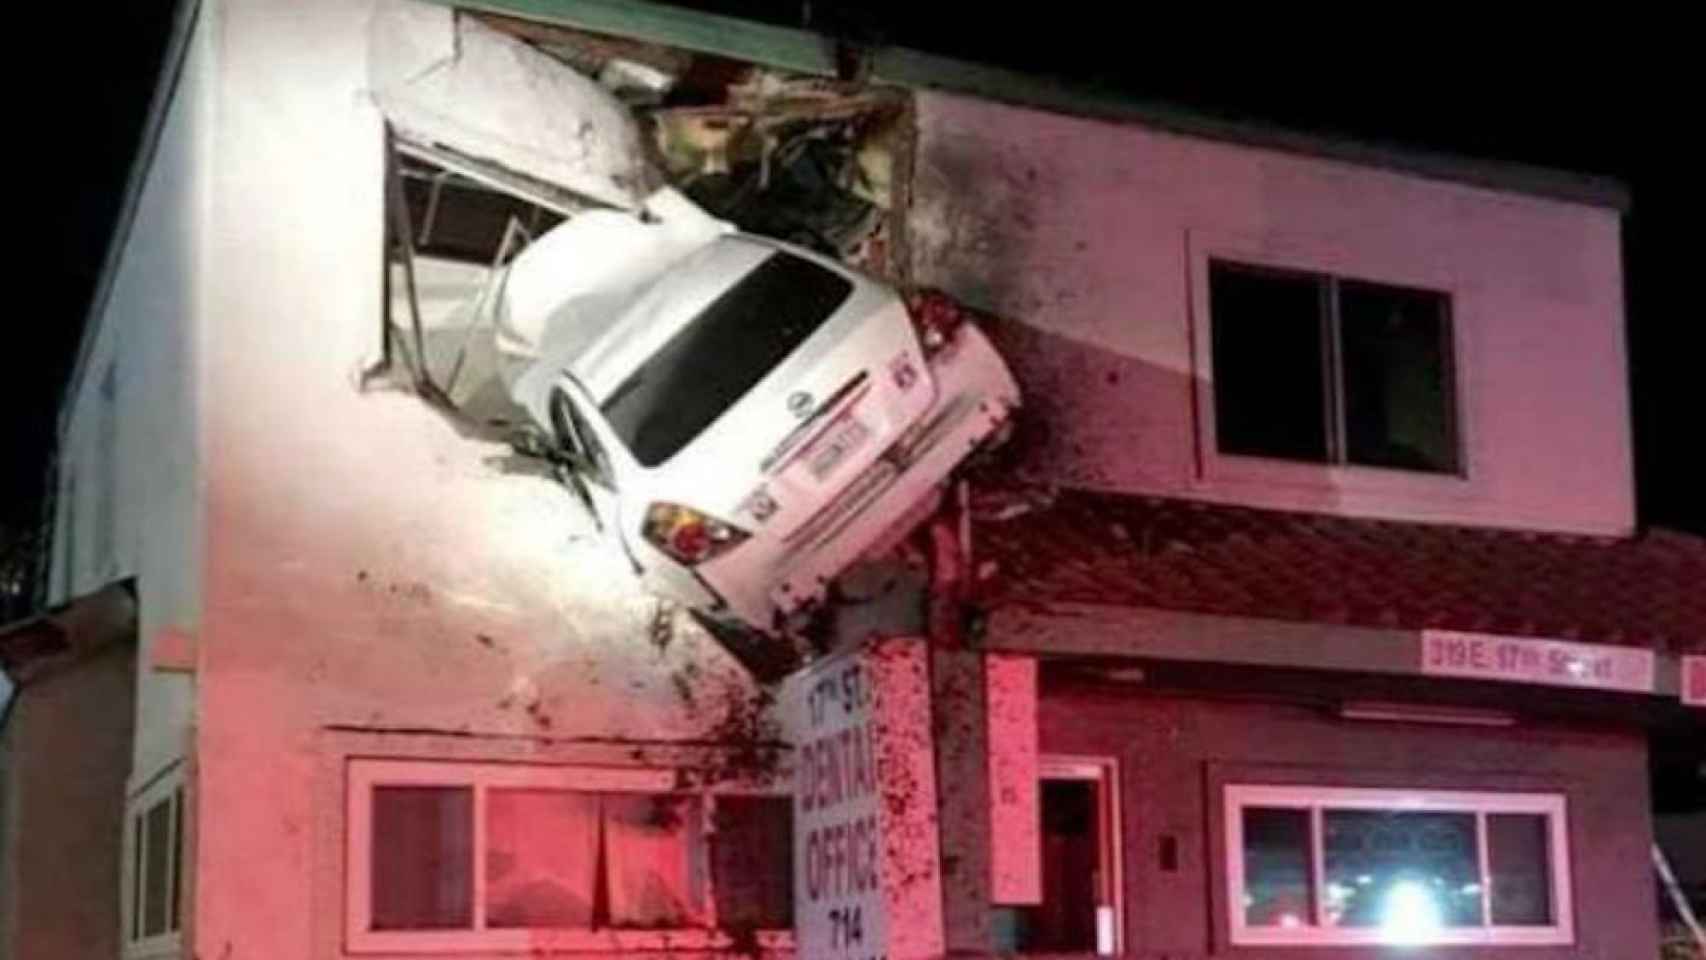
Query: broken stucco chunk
453,82
800,159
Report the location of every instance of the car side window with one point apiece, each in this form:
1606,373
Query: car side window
577,436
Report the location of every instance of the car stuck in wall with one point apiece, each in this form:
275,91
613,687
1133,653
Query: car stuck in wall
757,416
695,319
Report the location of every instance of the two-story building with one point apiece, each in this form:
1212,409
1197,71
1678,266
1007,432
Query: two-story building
1306,613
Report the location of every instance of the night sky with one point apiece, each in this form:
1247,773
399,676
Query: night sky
1545,96
80,139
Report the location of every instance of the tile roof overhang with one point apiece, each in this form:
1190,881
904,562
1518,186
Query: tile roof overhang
1097,578
1038,553
1179,596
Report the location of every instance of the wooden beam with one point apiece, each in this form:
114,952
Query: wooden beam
1099,630
960,714
1106,630
780,47
587,46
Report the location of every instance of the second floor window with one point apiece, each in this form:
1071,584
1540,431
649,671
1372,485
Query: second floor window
1325,369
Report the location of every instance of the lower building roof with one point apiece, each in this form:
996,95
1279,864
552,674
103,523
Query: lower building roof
1037,549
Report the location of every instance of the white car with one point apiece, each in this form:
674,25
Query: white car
755,417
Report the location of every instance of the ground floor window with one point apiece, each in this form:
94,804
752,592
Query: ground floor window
153,866
1079,912
474,856
1310,865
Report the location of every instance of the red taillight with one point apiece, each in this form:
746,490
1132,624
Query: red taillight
690,541
687,535
936,316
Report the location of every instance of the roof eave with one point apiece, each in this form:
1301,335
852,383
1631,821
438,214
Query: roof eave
805,52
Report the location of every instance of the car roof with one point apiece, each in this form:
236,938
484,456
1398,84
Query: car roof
601,338
642,321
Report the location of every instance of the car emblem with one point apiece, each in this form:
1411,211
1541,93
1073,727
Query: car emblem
761,505
800,403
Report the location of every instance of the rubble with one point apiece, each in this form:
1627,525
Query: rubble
517,242
799,160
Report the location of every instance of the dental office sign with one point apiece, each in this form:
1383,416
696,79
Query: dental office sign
866,883
1556,663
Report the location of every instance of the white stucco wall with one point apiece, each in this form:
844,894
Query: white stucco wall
367,566
130,497
1093,237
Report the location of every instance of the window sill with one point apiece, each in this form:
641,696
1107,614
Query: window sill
154,948
1222,470
1503,937
535,942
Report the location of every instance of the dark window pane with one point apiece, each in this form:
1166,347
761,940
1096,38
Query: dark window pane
541,858
1395,345
137,839
1519,860
721,354
1269,398
1277,885
1409,873
1065,922
175,914
467,221
423,855
156,863
752,861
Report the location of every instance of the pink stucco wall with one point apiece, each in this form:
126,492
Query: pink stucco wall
1092,237
1175,755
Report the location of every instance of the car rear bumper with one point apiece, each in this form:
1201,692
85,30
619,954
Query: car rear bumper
975,397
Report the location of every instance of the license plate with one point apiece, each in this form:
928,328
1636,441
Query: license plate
833,447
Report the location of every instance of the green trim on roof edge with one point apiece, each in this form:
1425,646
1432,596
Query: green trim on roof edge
802,51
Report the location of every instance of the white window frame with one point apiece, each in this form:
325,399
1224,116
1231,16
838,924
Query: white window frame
167,786
1104,772
1316,800
365,774
1288,252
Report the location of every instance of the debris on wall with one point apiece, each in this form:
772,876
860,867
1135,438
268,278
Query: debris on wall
750,733
799,159
515,245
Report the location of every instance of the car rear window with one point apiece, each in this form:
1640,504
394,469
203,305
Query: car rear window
721,354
